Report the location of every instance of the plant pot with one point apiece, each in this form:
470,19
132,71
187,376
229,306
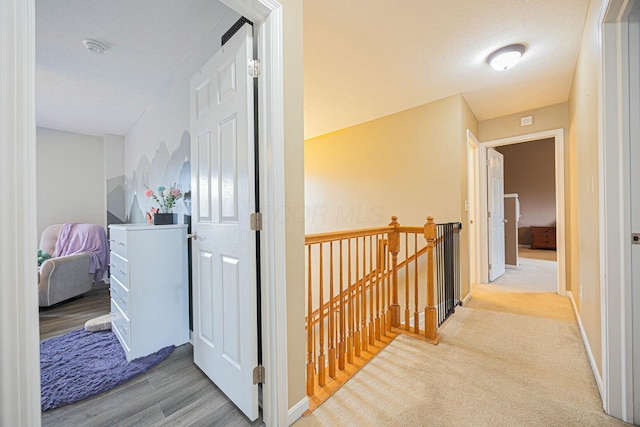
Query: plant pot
164,218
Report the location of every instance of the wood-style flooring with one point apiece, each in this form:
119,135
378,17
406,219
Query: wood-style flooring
174,393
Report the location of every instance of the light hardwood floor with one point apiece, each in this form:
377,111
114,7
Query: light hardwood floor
174,393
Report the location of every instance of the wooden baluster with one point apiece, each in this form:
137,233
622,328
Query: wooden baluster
321,356
363,295
310,327
430,314
372,279
341,335
382,253
416,312
332,313
406,281
394,248
357,337
389,282
379,277
350,297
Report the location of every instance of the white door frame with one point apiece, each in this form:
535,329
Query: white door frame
473,207
558,135
19,344
615,209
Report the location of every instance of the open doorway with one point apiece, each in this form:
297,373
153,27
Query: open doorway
557,138
18,20
530,217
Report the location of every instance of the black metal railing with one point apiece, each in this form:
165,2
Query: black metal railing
447,266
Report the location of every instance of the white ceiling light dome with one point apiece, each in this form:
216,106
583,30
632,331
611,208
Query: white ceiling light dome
506,57
94,46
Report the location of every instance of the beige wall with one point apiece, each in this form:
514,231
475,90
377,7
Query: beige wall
529,171
545,118
583,149
70,178
294,195
410,164
469,122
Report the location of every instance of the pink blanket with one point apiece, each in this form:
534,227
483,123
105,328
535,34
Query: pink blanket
89,238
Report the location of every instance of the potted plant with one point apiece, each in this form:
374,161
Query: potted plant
166,198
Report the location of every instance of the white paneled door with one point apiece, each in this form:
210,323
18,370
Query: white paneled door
224,254
495,214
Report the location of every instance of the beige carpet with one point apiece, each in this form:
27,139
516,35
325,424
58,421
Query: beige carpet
493,367
531,275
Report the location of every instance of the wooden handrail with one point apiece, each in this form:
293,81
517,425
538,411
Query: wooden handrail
351,321
334,236
366,279
345,294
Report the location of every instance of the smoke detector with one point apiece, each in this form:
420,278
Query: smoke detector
94,46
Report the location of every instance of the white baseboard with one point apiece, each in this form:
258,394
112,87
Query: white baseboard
587,347
466,299
297,410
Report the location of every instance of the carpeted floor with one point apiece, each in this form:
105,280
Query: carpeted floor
531,275
500,363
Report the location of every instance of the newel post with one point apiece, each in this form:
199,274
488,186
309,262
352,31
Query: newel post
394,248
430,313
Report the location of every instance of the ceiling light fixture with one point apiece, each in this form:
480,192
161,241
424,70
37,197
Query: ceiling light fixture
94,46
506,57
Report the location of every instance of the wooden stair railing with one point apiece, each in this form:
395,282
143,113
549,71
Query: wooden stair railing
354,310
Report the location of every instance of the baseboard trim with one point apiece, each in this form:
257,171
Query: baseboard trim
466,299
298,410
587,347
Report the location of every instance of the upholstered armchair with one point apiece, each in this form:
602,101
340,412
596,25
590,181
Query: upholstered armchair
71,274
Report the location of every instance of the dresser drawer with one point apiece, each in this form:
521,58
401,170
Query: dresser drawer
120,295
119,268
120,325
118,241
543,237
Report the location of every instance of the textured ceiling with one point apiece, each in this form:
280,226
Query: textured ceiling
147,41
365,59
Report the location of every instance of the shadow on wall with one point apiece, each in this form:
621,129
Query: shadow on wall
164,169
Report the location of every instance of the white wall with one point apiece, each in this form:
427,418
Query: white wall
114,178
157,148
70,178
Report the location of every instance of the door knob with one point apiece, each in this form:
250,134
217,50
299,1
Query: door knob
505,221
193,235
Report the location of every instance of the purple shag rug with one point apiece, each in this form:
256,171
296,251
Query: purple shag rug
80,364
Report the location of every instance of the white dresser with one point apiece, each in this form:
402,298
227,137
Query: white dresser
149,288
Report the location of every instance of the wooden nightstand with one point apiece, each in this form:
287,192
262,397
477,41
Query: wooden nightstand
543,237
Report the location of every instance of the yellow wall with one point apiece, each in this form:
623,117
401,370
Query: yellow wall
583,149
410,164
294,195
545,118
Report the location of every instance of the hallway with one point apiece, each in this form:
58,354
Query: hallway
537,271
506,358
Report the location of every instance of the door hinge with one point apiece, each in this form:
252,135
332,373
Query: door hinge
258,374
256,221
254,68
635,238
490,266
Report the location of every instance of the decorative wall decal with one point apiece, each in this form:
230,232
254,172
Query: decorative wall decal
116,212
164,167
